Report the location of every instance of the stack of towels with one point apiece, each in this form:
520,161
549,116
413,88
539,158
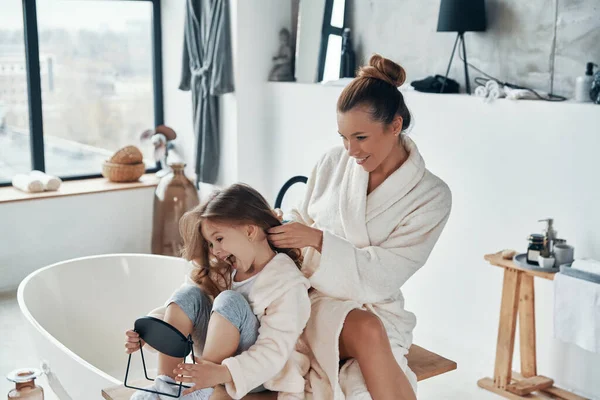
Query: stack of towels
493,90
577,306
35,182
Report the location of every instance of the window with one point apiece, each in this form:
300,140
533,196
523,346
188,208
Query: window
331,40
14,109
93,72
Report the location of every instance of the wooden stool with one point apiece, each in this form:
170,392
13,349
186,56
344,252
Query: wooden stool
518,298
422,362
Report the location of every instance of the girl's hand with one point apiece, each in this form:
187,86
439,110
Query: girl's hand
203,374
132,344
295,235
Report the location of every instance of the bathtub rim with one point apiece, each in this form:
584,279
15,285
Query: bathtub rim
25,311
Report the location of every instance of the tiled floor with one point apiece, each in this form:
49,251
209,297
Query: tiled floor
16,352
15,349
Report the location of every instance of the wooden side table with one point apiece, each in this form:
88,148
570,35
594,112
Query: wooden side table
518,298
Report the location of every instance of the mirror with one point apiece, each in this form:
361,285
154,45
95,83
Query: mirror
319,29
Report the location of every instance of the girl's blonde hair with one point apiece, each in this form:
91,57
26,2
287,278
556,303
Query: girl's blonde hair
239,204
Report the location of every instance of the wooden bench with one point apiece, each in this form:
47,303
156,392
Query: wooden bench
422,362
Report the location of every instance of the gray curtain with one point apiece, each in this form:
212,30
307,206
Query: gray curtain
207,70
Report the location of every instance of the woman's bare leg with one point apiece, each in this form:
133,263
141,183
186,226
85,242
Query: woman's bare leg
364,338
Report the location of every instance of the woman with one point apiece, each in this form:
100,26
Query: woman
371,216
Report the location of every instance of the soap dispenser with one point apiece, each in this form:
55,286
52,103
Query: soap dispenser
583,84
549,237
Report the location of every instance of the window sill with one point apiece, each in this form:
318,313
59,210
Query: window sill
73,188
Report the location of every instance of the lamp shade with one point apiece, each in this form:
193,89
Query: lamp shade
462,16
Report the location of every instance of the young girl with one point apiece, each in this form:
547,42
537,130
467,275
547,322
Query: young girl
246,307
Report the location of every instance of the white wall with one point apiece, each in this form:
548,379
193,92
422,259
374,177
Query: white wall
508,164
258,27
36,233
517,46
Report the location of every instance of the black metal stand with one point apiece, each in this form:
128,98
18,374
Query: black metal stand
190,342
460,36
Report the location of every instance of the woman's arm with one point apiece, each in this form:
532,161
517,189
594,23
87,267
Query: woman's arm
280,327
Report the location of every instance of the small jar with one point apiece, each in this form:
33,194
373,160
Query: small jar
25,387
535,248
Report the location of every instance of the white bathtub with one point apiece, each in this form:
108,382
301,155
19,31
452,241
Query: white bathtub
78,311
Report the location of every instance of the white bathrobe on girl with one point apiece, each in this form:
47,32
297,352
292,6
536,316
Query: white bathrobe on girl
371,246
279,300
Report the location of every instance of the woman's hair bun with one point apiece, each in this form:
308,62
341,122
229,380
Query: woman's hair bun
383,69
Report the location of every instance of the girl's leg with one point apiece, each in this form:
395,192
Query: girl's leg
232,329
176,317
189,312
364,338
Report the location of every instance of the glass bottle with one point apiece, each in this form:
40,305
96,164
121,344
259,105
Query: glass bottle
174,195
348,61
25,387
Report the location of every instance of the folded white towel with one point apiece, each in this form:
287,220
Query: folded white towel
577,312
521,94
481,91
587,265
27,183
50,182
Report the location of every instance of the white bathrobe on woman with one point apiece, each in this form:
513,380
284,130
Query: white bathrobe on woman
371,246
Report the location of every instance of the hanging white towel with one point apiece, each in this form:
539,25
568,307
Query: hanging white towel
27,183
577,312
50,182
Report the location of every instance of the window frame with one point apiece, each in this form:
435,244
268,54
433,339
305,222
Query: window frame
327,30
34,89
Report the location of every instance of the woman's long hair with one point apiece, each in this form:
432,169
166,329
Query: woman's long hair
239,204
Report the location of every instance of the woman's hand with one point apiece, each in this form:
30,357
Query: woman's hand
295,235
203,374
132,343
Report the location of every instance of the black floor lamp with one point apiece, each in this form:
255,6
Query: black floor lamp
461,16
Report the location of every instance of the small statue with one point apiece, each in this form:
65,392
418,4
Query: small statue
282,62
162,139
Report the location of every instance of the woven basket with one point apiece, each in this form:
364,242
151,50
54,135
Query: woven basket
127,155
123,172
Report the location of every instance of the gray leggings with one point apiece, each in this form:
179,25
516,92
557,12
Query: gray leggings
229,304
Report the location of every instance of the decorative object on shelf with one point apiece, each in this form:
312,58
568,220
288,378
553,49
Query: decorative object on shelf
25,387
174,195
348,62
126,165
461,16
282,70
162,139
